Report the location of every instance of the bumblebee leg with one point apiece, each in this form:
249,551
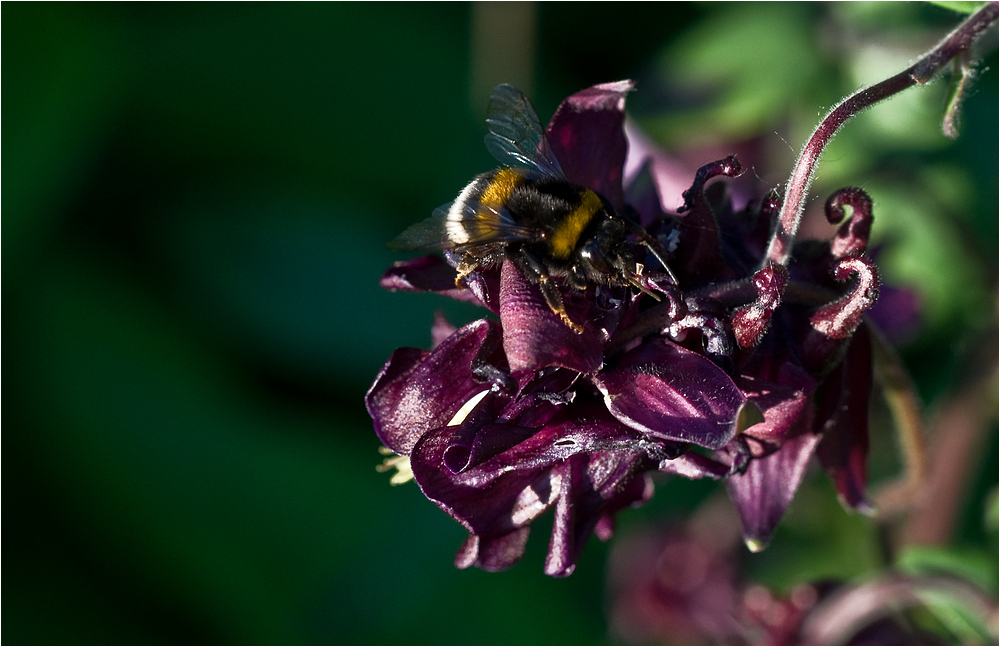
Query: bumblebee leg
536,272
465,268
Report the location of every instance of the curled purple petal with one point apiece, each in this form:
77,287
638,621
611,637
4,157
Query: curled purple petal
410,398
695,196
669,392
698,257
587,136
838,320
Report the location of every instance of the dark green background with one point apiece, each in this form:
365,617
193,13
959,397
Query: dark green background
196,201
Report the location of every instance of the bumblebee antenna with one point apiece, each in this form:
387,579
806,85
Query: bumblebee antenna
652,245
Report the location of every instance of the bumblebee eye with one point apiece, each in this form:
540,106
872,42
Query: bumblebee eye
594,258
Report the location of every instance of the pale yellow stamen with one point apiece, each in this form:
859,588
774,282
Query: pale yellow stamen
466,409
400,463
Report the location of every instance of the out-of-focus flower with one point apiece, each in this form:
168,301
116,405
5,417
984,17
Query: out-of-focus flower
678,584
682,584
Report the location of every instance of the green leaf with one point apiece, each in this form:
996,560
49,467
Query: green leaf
968,564
955,5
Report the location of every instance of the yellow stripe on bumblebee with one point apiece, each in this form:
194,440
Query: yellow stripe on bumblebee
567,234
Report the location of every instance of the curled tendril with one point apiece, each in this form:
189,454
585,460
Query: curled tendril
838,320
956,44
852,237
695,196
750,321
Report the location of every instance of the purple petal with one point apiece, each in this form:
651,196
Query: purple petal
441,330
783,401
763,492
694,466
426,274
493,554
670,392
387,391
897,313
535,337
587,136
842,416
416,391
591,489
517,485
669,176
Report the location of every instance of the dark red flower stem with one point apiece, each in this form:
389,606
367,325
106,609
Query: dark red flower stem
956,43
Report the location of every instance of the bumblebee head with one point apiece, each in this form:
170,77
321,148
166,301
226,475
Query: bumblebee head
604,257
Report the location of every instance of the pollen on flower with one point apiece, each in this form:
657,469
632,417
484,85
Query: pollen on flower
401,464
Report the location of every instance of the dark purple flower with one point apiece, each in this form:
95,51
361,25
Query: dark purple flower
743,368
496,453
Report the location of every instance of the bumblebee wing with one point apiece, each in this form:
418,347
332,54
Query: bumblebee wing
516,137
425,235
462,224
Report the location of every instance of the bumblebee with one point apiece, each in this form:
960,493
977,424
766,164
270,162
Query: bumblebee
529,213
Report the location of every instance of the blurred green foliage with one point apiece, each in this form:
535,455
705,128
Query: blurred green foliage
197,200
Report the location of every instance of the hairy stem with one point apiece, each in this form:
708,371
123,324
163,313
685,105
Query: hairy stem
956,43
